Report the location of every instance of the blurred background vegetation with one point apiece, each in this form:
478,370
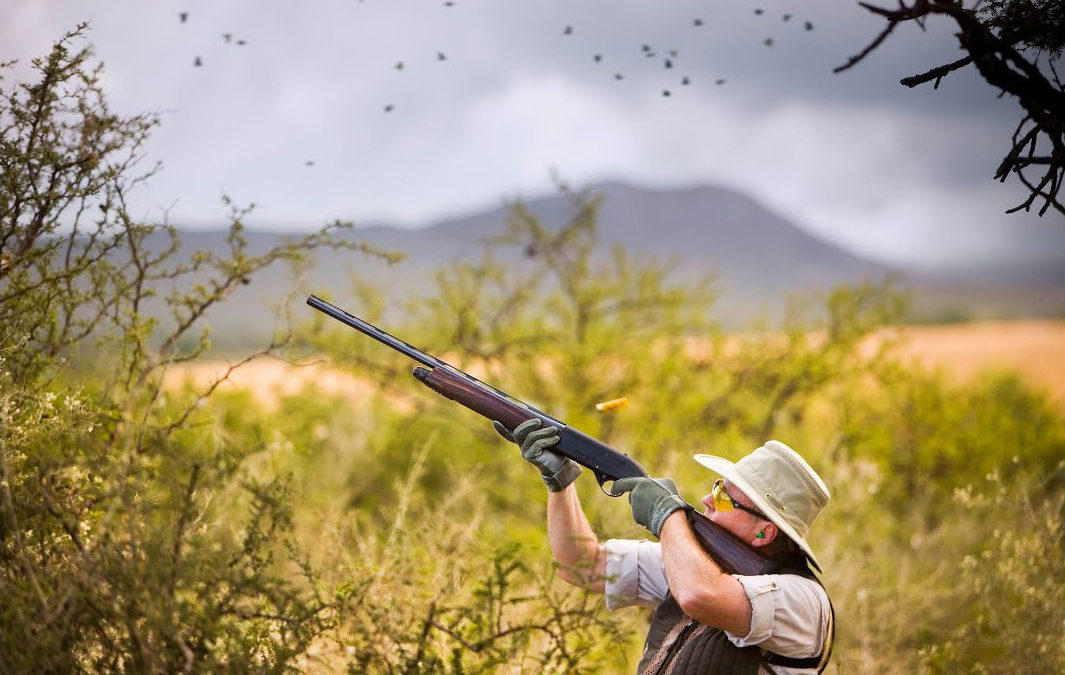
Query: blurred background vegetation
153,521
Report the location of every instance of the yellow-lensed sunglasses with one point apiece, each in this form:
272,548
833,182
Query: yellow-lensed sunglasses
723,501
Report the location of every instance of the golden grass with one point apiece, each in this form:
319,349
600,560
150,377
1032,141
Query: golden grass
1034,350
268,380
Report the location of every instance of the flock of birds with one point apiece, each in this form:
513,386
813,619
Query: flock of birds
197,61
670,58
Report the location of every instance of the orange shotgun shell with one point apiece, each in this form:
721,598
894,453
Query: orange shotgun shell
613,404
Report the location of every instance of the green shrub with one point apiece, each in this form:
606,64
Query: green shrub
133,538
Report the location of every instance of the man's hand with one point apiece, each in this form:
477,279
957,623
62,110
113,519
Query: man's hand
535,442
652,500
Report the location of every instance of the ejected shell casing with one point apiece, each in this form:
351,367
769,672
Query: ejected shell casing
612,404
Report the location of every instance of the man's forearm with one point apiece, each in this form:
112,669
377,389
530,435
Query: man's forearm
580,556
702,589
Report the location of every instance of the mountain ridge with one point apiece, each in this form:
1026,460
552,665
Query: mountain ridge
758,257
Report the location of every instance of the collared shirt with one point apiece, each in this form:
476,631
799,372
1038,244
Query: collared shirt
789,614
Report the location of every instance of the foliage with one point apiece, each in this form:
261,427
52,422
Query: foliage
433,598
1037,25
1012,580
933,437
133,539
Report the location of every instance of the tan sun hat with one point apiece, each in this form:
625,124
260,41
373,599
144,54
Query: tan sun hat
782,486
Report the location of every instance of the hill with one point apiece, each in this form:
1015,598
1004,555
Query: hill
758,258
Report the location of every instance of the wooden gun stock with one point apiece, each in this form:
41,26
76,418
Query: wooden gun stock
487,404
730,552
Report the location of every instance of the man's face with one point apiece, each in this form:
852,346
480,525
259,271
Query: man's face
737,521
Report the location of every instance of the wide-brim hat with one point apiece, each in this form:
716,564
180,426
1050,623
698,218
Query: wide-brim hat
781,484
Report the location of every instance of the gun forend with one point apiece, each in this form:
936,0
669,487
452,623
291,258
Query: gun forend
510,413
604,461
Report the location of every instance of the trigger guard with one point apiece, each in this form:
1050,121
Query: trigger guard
602,479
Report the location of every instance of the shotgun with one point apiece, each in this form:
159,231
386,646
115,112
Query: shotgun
606,464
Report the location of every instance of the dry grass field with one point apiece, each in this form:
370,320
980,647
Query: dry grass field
1035,350
268,379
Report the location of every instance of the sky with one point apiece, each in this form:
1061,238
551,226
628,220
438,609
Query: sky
409,111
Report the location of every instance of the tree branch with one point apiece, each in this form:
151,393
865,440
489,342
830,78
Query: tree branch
936,73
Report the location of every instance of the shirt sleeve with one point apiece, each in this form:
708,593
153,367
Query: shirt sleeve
789,614
635,574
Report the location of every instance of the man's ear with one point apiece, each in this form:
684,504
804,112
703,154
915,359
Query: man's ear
769,533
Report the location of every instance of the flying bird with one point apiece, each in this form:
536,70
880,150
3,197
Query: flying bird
668,64
666,92
697,22
568,30
399,65
685,81
228,37
441,56
184,16
759,12
598,58
786,17
768,42
309,162
388,108
619,76
197,62
719,82
809,26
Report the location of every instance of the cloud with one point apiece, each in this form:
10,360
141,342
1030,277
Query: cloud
887,171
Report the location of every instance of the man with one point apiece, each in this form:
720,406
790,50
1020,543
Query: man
705,621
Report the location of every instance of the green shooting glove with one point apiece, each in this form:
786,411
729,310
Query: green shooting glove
535,441
652,500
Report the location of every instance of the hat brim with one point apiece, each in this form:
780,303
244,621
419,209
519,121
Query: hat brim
727,470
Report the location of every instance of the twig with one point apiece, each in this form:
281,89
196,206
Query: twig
179,530
214,385
857,58
936,73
